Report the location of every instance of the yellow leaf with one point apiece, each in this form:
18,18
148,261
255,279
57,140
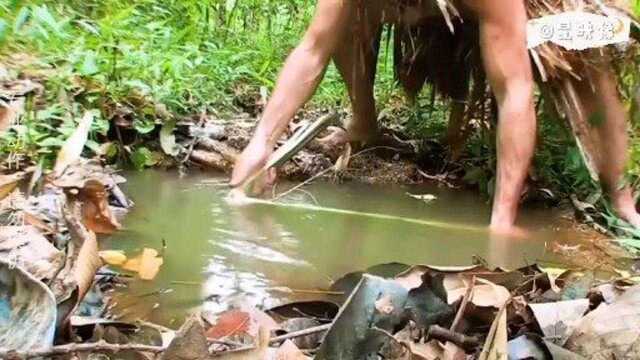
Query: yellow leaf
8,183
113,257
132,264
149,264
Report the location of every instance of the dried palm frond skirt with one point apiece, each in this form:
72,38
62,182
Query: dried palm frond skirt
450,63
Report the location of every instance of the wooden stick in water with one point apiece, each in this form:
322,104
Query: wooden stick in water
309,207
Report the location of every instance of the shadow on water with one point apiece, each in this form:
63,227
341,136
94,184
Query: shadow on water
215,253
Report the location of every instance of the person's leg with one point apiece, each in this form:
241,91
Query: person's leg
508,68
356,59
601,99
297,82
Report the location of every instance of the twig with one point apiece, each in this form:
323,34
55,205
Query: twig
151,325
182,282
228,343
437,178
444,335
161,291
463,305
325,171
306,182
308,207
296,334
317,292
277,339
75,348
310,195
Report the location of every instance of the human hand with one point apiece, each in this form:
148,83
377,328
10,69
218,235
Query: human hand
250,162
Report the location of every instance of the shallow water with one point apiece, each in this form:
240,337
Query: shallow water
215,252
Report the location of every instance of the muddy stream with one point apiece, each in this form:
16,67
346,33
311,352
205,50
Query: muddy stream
215,253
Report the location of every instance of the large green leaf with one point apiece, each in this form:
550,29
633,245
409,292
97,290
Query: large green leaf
168,138
89,65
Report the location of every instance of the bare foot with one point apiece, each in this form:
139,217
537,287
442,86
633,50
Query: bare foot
508,230
336,138
626,209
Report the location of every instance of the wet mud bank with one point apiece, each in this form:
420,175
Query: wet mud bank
217,143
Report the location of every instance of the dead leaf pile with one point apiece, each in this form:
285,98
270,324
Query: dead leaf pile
426,312
48,227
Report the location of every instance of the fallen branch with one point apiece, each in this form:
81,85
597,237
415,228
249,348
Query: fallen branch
277,339
307,207
442,179
468,294
100,346
466,342
297,334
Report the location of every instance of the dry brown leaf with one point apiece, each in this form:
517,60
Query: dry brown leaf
289,351
132,265
189,343
76,176
37,222
485,293
10,113
610,331
88,261
113,257
72,148
229,323
261,350
76,278
429,351
8,183
26,247
453,352
495,347
557,319
412,278
147,265
96,213
258,319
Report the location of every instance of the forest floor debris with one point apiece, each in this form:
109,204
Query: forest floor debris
400,312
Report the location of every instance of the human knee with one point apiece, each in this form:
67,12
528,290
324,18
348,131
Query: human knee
516,94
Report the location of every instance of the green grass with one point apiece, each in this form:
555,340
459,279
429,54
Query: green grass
189,56
185,54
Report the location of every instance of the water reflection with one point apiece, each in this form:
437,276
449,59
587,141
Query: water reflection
216,253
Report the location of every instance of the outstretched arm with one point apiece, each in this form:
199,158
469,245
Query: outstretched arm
298,80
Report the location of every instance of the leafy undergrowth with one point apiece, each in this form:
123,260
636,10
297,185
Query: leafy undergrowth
139,63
